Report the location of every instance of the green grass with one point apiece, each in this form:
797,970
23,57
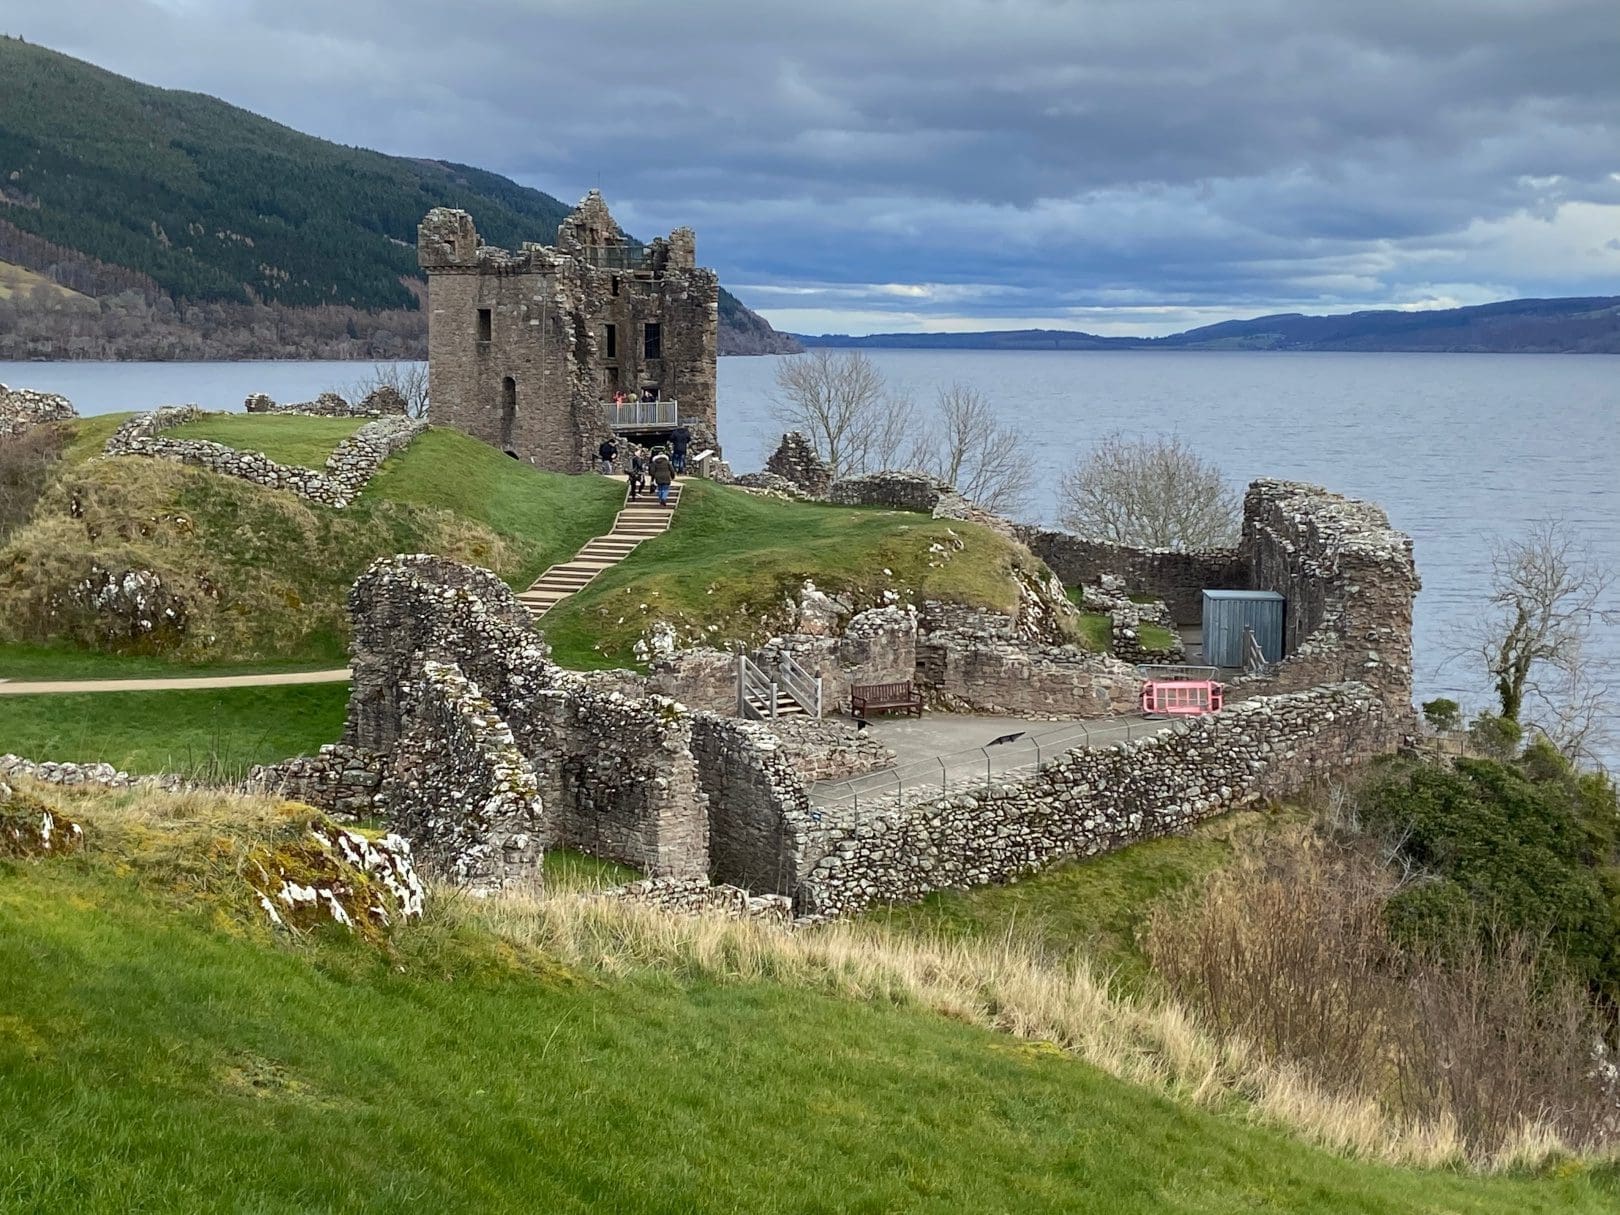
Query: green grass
221,733
88,437
546,517
59,660
152,1061
731,560
1155,637
1096,906
1098,630
291,439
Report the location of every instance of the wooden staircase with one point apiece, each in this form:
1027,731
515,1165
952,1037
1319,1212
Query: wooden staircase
639,519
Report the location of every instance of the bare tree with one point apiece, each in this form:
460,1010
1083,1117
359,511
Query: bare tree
1546,594
842,405
1150,493
409,380
967,445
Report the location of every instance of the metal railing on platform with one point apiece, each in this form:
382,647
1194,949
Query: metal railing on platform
1014,755
626,415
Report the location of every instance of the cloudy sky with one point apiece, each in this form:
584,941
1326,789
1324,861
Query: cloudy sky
1120,166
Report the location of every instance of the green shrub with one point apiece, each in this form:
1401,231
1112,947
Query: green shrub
1442,714
1527,847
1498,737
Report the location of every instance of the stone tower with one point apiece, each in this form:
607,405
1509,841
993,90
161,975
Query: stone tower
528,350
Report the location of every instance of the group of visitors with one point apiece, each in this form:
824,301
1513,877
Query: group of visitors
656,465
648,395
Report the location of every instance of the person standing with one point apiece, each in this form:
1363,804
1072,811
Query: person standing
663,473
679,440
638,471
607,453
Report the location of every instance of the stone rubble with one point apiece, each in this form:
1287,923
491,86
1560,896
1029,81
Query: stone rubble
22,408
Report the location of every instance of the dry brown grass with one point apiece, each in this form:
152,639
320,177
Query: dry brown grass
1008,987
1289,948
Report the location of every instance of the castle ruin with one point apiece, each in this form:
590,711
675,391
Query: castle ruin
546,351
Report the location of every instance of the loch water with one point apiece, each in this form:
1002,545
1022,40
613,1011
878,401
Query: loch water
1458,448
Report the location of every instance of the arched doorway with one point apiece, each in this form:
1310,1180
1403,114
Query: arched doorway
508,412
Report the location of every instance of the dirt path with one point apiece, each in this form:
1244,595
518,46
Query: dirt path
35,687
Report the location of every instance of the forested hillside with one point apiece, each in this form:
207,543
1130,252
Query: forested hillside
113,187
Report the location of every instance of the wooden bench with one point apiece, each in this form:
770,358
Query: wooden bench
885,697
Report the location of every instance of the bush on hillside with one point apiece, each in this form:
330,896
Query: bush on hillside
1293,950
1443,714
26,462
1505,848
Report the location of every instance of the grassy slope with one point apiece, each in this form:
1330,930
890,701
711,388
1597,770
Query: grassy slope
464,1074
14,280
216,733
296,441
545,518
265,574
732,560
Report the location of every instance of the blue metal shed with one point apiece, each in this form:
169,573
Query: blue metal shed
1227,613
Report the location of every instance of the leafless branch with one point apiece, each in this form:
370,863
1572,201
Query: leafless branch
1151,493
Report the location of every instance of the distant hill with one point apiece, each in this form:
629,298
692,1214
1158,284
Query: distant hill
108,186
1584,325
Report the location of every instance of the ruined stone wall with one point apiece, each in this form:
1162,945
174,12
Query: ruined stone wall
1088,802
796,462
986,672
1180,579
21,408
353,462
382,401
897,490
459,788
342,780
618,777
1349,580
758,811
614,772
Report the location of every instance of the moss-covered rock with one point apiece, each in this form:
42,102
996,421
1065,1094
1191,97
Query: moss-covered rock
321,873
30,827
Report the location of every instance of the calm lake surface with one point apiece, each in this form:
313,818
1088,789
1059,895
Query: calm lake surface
1457,448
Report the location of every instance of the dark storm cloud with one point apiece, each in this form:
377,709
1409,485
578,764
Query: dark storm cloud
1021,158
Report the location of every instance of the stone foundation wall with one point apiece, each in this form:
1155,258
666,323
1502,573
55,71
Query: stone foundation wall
381,402
342,780
1094,801
21,408
828,748
353,462
915,491
696,896
699,678
1180,579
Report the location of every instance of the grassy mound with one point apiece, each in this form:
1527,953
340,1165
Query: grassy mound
464,1066
543,518
256,575
291,439
212,734
729,566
